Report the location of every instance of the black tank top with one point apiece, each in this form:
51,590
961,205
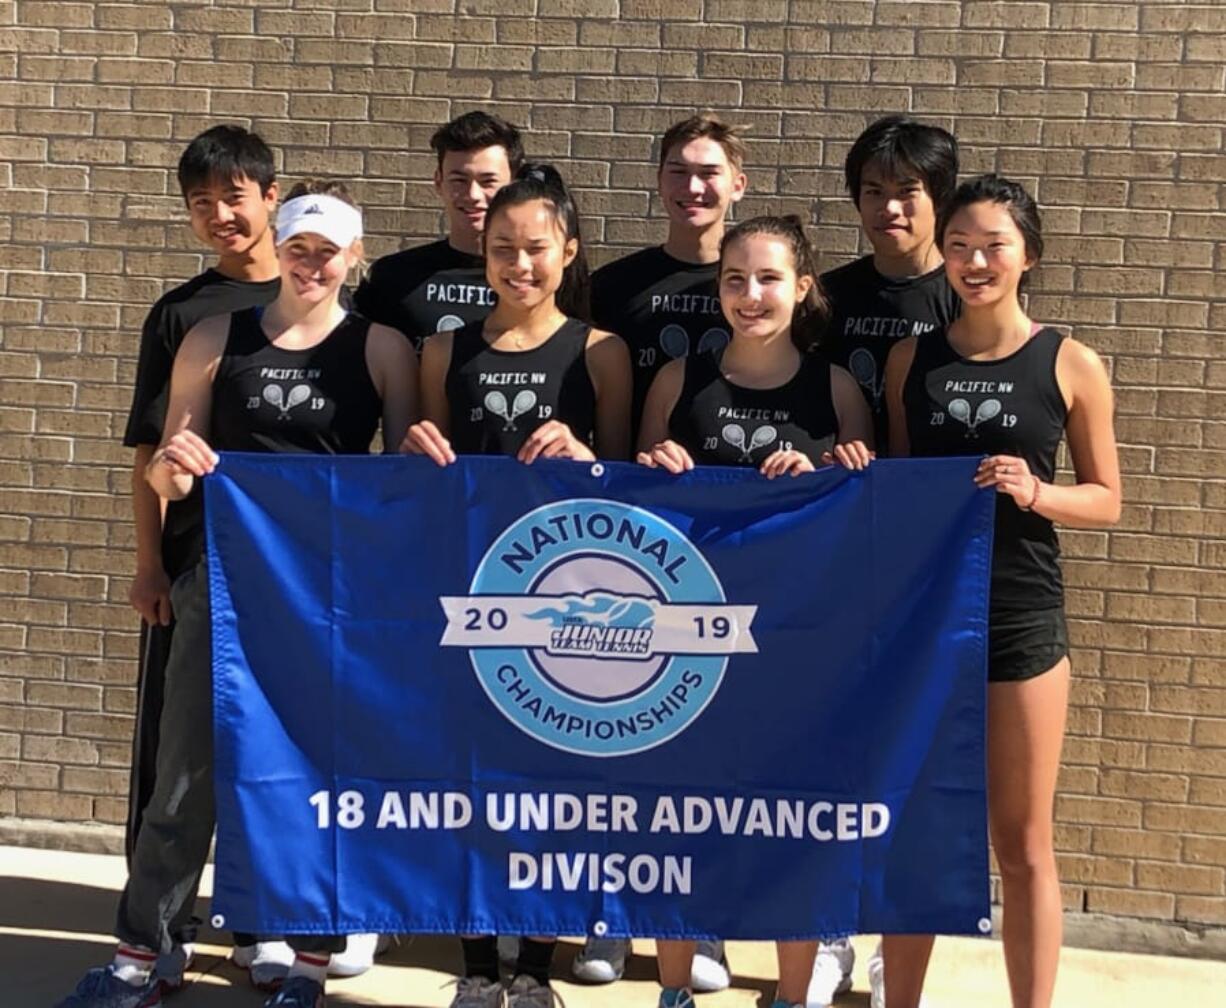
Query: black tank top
1010,406
720,423
321,400
499,397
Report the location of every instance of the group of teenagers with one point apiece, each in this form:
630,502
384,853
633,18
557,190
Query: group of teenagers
722,346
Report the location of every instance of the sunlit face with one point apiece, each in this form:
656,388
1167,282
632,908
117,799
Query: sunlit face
897,214
759,287
526,253
312,267
985,254
230,216
698,183
466,182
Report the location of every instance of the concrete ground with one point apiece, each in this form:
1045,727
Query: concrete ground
56,911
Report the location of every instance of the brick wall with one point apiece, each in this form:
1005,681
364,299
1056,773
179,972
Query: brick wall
1113,111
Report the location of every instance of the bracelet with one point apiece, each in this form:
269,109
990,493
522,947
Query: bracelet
1034,500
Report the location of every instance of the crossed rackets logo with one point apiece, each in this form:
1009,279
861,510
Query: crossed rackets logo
987,410
275,395
523,402
734,434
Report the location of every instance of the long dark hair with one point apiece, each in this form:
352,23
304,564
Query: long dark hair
813,312
539,181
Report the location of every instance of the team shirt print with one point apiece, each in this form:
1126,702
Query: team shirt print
663,308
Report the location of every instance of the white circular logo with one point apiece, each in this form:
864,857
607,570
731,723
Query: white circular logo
597,627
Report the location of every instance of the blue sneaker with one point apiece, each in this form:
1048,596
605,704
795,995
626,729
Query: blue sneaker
101,988
298,992
676,997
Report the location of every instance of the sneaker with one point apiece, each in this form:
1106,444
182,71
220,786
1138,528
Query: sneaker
602,960
528,992
780,1003
710,969
298,992
876,979
172,965
266,962
831,973
478,992
508,950
676,997
359,954
101,988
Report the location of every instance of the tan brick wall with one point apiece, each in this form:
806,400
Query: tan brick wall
1113,111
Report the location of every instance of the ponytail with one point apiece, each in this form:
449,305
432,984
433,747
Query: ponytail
813,312
536,180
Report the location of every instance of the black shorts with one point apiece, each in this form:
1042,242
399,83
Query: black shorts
1025,643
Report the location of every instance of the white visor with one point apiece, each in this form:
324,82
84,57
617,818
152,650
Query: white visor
326,216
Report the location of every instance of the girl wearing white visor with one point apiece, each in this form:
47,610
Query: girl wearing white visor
300,375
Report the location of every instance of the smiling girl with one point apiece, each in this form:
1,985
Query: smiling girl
533,380
999,385
299,375
764,401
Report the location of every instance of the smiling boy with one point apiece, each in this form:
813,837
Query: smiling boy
441,285
899,173
664,300
227,178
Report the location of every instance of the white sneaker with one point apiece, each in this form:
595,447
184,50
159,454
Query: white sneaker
266,962
601,960
709,971
359,954
831,973
876,979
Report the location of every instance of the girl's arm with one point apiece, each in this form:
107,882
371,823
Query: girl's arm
1094,500
855,419
854,444
897,367
184,454
655,447
429,435
393,369
608,362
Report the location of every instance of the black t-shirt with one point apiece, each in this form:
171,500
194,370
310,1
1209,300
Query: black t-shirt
320,400
170,319
871,312
663,308
1010,406
497,398
721,423
426,289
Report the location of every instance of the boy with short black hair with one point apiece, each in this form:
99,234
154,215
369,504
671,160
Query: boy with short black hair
227,177
899,172
441,285
664,300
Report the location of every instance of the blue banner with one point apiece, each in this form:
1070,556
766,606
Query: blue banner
575,698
